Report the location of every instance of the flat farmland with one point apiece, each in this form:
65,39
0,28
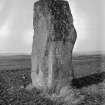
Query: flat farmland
83,65
15,62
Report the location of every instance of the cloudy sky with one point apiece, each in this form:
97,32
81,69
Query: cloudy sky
16,25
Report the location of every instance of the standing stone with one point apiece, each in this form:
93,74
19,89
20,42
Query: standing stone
53,42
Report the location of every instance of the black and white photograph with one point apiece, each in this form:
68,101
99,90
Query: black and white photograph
52,52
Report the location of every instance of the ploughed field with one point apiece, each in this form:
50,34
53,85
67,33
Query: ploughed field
89,81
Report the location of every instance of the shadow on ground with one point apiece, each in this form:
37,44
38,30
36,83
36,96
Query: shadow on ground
88,80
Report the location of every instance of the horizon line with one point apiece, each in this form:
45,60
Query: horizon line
74,53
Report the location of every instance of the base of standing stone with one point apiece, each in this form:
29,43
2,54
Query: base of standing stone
67,95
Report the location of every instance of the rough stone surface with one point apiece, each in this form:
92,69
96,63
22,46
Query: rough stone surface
53,42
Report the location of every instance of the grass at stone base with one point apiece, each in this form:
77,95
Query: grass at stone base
13,92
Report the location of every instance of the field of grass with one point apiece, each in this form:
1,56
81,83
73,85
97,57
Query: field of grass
15,76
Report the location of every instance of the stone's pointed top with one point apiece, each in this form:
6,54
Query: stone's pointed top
52,1
52,4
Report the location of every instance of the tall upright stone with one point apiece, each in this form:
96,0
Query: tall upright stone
53,42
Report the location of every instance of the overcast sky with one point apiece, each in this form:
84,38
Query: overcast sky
16,25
